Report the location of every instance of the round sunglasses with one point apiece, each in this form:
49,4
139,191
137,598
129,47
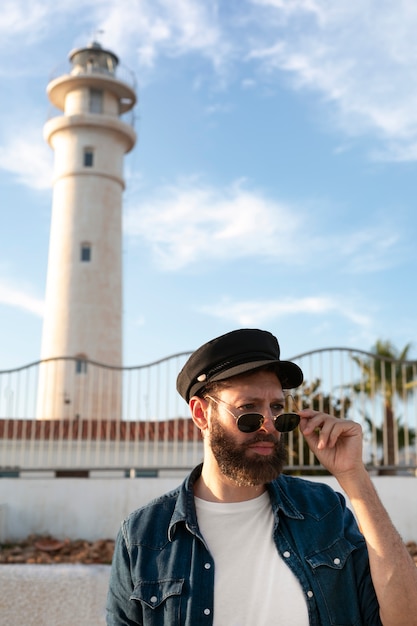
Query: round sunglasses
251,422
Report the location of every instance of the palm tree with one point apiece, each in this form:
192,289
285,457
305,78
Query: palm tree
405,436
387,373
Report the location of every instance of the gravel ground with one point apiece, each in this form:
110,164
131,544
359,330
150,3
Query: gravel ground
48,550
40,549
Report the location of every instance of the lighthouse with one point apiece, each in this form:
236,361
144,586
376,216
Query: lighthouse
83,302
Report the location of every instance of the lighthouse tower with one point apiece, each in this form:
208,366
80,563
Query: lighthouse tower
83,304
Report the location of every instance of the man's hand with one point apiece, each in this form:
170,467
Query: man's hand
337,443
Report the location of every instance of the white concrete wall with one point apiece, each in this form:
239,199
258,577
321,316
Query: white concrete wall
93,508
75,508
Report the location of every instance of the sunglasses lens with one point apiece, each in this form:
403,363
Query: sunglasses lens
287,422
249,422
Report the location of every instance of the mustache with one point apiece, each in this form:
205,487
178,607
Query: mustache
262,438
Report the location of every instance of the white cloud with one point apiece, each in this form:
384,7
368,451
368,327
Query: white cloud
372,249
261,312
20,16
27,157
157,28
193,223
360,56
395,151
25,22
151,28
20,299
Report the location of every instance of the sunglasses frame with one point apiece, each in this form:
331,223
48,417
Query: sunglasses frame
284,423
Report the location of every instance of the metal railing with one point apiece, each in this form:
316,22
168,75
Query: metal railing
67,414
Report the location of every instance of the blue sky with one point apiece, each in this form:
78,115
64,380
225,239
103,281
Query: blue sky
273,183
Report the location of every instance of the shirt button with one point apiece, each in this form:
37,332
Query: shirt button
286,554
336,561
207,611
207,565
310,594
154,599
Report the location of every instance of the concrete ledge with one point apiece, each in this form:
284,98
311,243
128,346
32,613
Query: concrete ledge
92,508
52,595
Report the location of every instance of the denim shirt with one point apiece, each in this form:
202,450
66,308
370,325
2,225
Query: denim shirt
163,574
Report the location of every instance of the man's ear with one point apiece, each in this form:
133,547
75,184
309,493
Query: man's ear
199,407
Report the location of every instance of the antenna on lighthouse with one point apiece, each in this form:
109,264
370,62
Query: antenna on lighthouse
96,34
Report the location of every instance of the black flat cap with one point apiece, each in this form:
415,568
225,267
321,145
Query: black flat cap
234,353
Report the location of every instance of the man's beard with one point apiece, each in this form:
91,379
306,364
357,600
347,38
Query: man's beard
236,464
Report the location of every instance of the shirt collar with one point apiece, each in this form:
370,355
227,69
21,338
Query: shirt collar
281,499
184,511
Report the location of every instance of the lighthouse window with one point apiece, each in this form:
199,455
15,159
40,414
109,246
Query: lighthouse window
85,252
96,101
88,157
81,365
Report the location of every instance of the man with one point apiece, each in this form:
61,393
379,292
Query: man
240,543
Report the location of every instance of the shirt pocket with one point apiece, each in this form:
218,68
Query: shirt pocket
160,601
334,573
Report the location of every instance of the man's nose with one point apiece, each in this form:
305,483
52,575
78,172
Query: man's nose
269,422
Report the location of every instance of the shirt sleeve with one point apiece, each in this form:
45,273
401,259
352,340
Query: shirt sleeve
120,609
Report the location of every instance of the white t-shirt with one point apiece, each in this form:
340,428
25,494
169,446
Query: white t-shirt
253,586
